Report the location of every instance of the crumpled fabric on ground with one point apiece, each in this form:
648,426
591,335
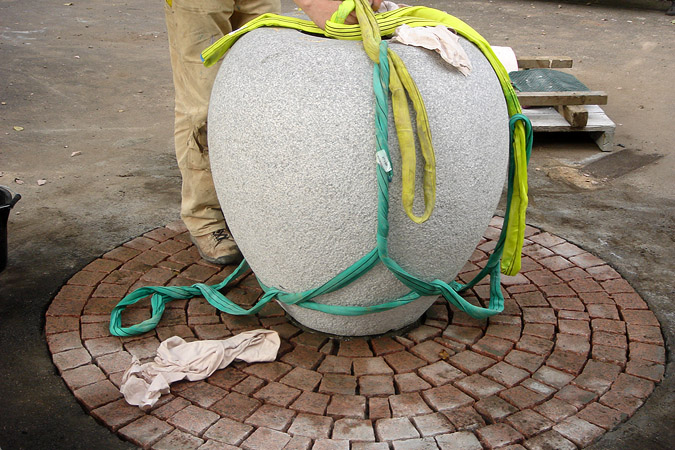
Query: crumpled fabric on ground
439,39
143,384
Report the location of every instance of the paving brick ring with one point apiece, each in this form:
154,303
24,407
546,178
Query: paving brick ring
575,352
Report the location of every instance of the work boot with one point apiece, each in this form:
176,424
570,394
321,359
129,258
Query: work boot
217,247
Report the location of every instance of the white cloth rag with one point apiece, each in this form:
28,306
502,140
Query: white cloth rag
143,384
507,57
439,39
389,6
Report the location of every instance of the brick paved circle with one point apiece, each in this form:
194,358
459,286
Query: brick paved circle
575,352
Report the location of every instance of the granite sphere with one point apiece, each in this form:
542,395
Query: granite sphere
292,149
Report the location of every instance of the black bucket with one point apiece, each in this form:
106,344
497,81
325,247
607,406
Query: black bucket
7,200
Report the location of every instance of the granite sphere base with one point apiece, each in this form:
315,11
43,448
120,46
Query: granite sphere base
575,353
292,148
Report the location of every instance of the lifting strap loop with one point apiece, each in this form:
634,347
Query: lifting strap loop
402,88
400,78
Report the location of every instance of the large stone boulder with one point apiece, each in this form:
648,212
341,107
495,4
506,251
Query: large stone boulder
292,147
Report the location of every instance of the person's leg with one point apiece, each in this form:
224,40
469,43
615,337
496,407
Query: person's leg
192,26
245,10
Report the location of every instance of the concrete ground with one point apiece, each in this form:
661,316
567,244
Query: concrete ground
90,85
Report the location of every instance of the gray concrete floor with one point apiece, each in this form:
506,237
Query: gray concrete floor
94,78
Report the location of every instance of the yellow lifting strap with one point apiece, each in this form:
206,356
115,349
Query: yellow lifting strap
419,16
402,87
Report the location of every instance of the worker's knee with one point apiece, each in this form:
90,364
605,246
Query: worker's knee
197,152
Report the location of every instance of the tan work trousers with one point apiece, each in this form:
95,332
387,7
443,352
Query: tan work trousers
192,26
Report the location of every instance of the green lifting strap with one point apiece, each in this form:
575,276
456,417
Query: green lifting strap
519,152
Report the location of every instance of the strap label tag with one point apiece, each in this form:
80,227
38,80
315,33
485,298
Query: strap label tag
383,160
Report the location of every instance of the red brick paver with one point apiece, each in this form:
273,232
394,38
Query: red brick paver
575,352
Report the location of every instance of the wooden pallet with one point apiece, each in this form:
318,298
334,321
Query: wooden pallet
600,127
566,111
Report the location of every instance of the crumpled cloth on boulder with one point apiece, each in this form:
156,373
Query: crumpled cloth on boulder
389,6
438,38
143,384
